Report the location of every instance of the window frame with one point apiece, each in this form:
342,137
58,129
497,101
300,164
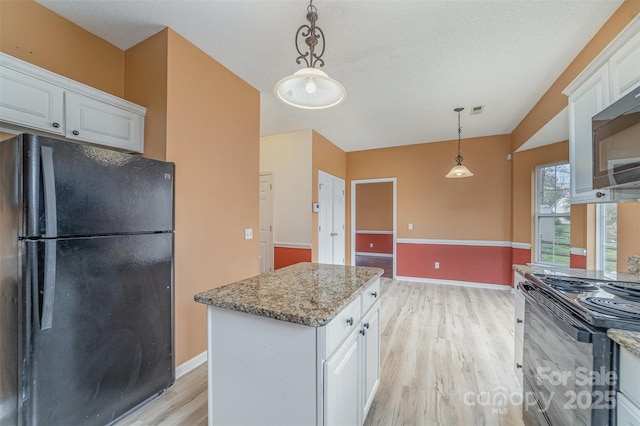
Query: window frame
538,215
600,235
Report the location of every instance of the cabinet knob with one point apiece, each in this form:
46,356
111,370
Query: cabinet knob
363,331
350,321
56,125
75,132
600,194
366,325
374,294
518,321
518,365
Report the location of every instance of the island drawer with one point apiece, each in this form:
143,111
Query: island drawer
342,325
370,295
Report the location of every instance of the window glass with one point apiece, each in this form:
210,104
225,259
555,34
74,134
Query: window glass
553,218
607,237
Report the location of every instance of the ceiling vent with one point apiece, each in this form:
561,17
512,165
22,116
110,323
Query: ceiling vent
477,110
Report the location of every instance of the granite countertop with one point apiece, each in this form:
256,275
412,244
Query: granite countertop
310,294
627,339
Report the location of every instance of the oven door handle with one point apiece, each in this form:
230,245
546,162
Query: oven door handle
574,331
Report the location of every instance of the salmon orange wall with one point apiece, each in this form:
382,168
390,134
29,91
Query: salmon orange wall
146,84
329,158
213,134
628,233
374,206
477,208
33,33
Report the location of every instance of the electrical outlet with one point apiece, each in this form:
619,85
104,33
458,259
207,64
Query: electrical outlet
370,245
437,265
411,226
248,234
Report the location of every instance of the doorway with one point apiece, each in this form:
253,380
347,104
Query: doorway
331,229
373,219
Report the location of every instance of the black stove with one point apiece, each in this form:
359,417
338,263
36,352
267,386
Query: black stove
600,303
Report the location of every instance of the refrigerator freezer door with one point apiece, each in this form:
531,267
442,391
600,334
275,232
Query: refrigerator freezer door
108,342
71,189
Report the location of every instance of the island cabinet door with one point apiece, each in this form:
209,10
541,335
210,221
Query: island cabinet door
341,373
370,335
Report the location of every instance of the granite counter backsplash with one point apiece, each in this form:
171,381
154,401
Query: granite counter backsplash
634,265
310,294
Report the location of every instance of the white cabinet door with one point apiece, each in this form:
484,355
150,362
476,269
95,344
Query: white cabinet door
371,357
589,99
341,396
30,102
100,123
624,68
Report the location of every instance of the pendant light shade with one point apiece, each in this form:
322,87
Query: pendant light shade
459,171
310,88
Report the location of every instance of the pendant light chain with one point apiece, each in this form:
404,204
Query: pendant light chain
459,157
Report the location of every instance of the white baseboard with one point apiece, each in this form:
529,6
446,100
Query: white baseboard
189,365
458,283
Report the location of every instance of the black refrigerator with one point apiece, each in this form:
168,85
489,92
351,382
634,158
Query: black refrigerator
86,290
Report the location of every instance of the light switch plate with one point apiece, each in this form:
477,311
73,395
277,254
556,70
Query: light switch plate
248,234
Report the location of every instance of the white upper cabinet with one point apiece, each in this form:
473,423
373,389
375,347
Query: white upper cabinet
104,124
31,102
32,98
611,75
624,68
590,98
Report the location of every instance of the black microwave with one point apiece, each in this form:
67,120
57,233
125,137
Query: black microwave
616,143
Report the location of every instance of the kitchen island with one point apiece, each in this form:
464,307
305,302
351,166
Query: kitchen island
297,346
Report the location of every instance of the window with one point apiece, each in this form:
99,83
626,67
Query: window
607,237
553,219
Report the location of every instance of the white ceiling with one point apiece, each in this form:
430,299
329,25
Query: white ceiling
405,64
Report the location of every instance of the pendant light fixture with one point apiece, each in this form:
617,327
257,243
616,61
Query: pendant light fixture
459,171
310,88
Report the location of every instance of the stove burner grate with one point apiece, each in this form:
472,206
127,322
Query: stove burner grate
569,284
619,308
623,289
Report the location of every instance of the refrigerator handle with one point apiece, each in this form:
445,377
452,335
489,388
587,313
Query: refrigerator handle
49,287
49,187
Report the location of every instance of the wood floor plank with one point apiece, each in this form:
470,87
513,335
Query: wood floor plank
446,358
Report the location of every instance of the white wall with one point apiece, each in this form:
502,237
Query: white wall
288,156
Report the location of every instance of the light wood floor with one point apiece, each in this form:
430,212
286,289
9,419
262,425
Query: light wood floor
446,357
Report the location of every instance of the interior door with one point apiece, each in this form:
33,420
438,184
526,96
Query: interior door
331,219
266,222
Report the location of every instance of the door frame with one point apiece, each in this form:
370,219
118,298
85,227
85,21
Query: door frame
353,215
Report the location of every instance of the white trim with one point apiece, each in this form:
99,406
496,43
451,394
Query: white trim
375,232
352,224
458,283
292,245
455,242
523,246
625,35
365,253
578,251
68,84
191,364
